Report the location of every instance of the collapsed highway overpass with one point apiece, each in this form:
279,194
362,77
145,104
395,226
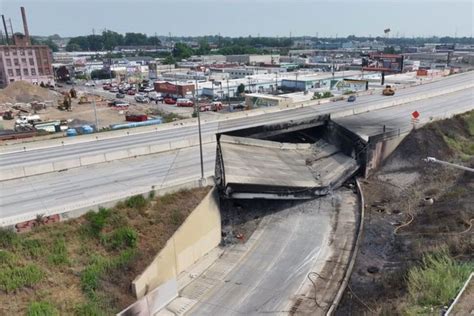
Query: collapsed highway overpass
249,168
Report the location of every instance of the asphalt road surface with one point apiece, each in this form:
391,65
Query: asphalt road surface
59,192
60,153
400,117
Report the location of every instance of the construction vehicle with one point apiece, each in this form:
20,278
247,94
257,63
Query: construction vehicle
84,100
388,90
65,105
7,115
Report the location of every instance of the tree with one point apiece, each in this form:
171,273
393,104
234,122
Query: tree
154,40
52,45
169,60
111,39
135,39
204,48
241,88
181,51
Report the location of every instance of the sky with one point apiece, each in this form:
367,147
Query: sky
323,18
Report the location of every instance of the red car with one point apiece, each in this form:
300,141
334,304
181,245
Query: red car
131,92
184,102
169,101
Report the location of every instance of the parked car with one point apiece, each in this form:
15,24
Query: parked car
120,95
106,87
140,98
184,102
351,98
89,84
119,103
169,101
148,89
114,89
70,82
131,92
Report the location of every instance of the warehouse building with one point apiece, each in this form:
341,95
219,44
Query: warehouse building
20,60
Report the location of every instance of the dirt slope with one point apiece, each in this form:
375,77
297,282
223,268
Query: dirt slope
402,224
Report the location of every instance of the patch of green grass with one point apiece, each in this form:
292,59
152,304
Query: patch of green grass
91,276
461,145
18,277
168,199
33,248
469,119
97,220
436,282
123,237
88,309
176,217
8,238
41,309
7,258
136,202
58,255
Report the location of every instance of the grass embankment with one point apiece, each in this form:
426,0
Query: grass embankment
435,282
85,266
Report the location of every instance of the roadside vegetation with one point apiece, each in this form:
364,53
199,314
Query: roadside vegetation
417,247
435,282
85,266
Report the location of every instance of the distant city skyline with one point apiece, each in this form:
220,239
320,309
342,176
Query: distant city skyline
243,17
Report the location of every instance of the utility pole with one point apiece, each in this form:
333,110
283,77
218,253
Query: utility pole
196,106
228,93
95,114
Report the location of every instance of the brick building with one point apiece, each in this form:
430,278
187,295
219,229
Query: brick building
19,60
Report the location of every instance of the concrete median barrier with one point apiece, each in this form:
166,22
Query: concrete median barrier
91,160
39,168
66,164
11,173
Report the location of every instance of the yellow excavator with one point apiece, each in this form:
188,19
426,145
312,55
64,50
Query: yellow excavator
84,100
388,90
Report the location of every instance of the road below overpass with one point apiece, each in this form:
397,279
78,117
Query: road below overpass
57,151
268,274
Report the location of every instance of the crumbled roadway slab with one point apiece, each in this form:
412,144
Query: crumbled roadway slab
268,273
254,168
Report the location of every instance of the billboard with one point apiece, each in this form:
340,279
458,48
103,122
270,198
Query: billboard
382,62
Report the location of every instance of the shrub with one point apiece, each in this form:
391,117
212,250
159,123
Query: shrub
151,195
97,220
136,202
90,277
41,309
176,217
124,237
58,254
88,309
8,238
437,281
17,277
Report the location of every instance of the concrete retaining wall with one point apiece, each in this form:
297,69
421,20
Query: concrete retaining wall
199,234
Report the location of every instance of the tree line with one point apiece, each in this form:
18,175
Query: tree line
108,40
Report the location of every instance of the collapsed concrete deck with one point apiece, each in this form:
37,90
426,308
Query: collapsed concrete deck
252,168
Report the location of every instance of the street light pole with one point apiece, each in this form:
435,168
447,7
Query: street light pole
199,129
228,93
